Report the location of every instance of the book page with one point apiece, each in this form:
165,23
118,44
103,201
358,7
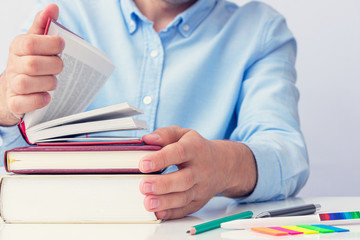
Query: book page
86,70
109,112
116,124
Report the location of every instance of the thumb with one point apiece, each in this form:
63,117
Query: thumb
41,18
165,136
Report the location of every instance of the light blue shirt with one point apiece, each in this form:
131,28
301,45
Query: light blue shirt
220,69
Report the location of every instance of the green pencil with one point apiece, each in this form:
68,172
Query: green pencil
216,223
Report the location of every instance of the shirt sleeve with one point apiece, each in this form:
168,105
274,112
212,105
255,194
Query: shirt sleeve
268,121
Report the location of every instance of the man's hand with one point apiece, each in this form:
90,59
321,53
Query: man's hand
31,69
206,168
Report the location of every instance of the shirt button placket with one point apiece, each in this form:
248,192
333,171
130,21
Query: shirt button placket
152,77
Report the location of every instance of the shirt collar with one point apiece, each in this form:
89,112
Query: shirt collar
131,14
186,22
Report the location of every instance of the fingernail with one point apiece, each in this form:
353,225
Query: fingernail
56,82
147,165
161,215
62,45
46,98
154,203
153,136
148,187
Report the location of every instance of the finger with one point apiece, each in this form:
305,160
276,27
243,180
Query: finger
173,154
178,181
40,65
165,136
24,84
155,203
41,18
179,212
187,147
37,45
20,104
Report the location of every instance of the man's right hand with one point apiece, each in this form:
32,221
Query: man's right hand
32,65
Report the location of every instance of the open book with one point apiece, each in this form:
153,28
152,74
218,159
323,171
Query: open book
86,70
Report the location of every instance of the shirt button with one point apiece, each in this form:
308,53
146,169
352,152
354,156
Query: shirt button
186,27
147,100
154,53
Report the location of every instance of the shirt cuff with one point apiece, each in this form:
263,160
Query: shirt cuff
10,137
269,181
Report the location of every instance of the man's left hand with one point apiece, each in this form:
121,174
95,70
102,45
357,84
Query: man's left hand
206,168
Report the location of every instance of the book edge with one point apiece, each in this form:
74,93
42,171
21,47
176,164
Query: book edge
1,204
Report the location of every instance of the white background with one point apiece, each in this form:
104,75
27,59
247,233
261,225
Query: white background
328,34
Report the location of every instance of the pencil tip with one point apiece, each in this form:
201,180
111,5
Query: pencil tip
192,231
188,231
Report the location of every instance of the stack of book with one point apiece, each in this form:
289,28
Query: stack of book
62,179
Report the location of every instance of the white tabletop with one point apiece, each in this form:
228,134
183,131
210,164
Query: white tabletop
176,229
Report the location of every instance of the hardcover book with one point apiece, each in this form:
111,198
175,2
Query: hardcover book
113,198
115,158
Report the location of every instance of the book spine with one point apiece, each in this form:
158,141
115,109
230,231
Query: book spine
5,161
22,129
47,26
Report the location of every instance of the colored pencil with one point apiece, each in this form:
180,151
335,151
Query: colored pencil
216,223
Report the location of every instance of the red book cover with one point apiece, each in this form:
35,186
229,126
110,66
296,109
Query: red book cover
101,155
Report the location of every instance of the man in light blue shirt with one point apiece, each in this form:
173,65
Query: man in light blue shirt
216,82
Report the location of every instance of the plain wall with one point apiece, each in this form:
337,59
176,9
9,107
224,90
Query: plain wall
328,35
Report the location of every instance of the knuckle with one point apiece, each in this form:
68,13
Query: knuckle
175,128
29,45
60,64
37,101
189,196
20,84
194,134
15,43
58,42
198,141
53,84
12,46
38,14
163,161
14,106
181,152
189,179
164,186
31,65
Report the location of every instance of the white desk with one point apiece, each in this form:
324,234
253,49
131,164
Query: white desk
176,229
